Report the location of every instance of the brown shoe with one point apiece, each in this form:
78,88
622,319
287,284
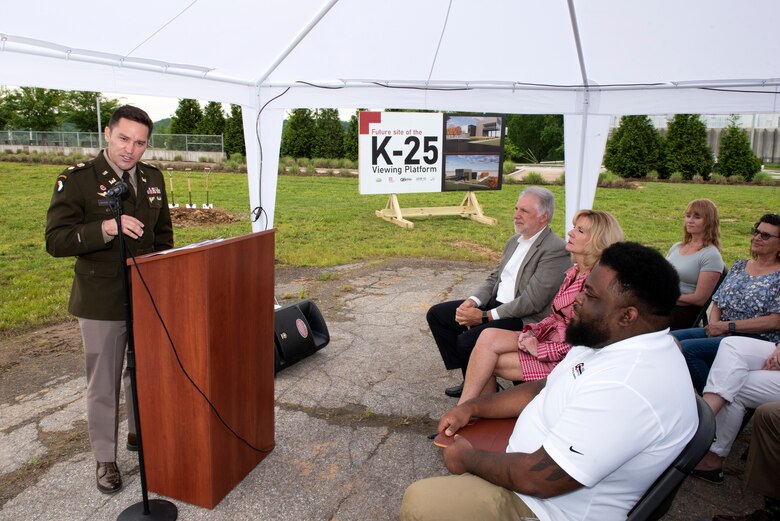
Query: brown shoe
109,480
132,442
758,515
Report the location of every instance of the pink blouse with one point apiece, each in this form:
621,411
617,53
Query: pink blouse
551,331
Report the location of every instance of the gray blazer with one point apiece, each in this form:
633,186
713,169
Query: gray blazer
538,279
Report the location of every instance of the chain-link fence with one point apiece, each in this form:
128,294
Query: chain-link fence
183,142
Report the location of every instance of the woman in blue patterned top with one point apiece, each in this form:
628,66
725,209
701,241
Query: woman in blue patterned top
747,303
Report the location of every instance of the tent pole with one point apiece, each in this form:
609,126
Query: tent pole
301,35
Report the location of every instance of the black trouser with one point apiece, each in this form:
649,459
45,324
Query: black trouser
456,342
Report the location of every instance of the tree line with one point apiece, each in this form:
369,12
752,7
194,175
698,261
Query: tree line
50,109
76,111
635,148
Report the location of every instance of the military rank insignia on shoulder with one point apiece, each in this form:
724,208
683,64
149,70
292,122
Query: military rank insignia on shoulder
81,166
147,164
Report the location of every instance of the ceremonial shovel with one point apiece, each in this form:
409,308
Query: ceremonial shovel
189,189
172,204
207,205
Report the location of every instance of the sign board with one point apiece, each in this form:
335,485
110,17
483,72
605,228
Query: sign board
473,152
413,152
400,152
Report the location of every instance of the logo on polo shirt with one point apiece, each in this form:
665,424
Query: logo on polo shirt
578,370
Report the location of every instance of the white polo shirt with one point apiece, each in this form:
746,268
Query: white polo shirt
613,419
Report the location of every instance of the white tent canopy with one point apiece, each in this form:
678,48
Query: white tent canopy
585,59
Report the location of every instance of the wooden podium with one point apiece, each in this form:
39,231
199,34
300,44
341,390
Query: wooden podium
217,302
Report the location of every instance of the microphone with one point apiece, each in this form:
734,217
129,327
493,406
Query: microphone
117,190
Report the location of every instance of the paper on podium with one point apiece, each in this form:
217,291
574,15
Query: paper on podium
188,246
483,433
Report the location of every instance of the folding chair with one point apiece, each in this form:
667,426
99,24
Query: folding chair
658,498
701,319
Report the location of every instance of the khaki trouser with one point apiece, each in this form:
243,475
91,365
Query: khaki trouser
105,342
764,455
463,497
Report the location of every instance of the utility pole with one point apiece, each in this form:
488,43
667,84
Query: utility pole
100,126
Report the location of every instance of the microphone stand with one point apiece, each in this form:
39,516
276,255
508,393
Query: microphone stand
156,509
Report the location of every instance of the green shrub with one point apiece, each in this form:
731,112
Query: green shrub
561,179
736,158
608,176
676,177
685,149
719,179
294,169
320,162
533,178
287,161
204,159
652,175
238,157
762,178
697,179
634,147
177,157
735,179
509,167
618,182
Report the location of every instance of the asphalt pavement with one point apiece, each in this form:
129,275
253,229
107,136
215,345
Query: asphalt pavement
351,420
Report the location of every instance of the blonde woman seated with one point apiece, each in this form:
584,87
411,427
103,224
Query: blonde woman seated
532,353
697,260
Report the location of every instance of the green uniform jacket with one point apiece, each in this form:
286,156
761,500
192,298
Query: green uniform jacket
73,227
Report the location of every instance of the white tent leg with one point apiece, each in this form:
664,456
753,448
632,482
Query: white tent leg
270,137
584,137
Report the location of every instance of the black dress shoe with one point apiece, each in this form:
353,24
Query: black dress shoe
713,476
454,392
109,480
132,442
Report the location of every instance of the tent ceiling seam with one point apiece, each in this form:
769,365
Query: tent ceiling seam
438,45
163,26
295,41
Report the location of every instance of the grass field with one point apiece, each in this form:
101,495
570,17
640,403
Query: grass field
324,221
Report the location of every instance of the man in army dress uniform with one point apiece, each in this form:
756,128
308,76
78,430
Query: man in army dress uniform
77,224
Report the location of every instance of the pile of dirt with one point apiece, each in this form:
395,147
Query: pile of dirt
201,217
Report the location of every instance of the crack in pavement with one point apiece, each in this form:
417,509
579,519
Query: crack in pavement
355,415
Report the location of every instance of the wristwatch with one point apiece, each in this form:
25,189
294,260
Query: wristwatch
485,318
732,328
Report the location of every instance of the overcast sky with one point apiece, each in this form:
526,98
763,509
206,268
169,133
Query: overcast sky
161,108
157,108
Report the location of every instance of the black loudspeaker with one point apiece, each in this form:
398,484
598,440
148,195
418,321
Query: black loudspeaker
299,330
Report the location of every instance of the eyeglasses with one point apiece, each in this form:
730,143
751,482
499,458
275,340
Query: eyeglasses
764,236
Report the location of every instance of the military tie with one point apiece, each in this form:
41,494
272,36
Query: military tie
130,187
